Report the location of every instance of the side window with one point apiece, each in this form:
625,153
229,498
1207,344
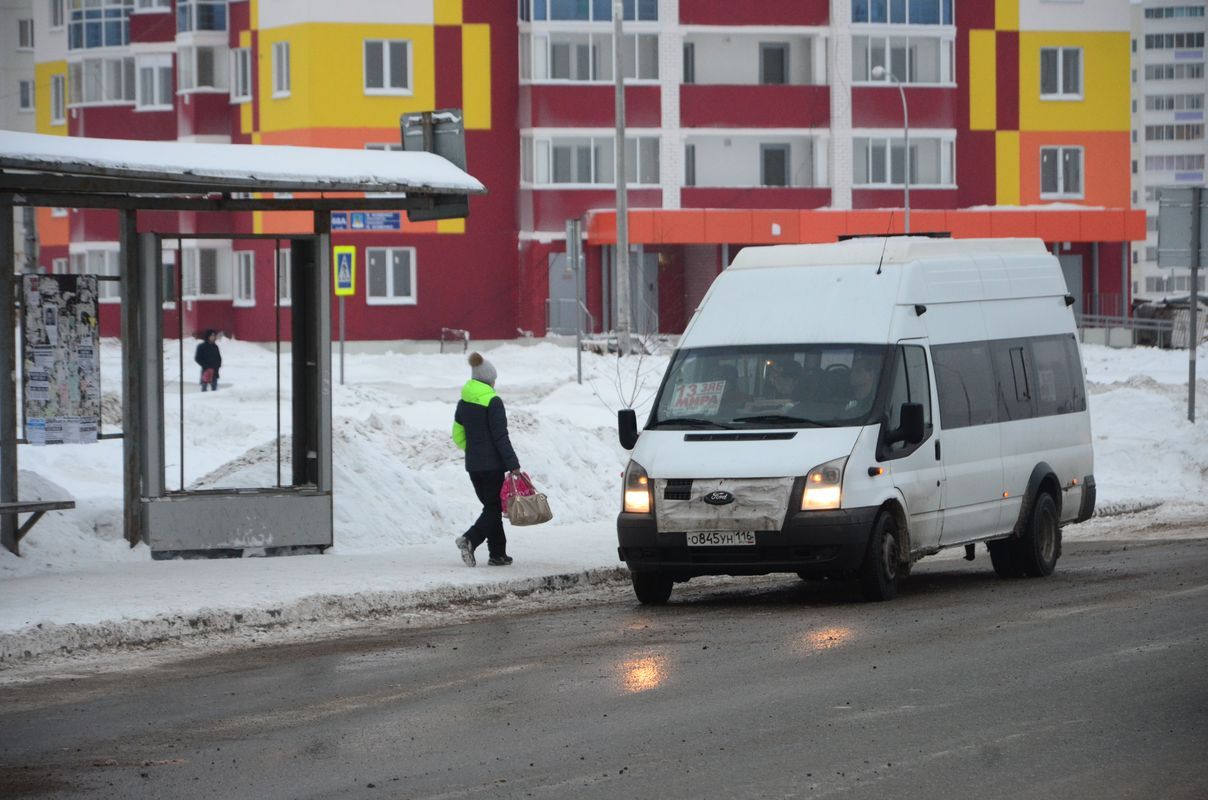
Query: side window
965,381
1016,395
1074,360
910,385
1055,378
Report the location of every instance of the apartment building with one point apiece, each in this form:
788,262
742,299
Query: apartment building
17,90
747,123
1169,144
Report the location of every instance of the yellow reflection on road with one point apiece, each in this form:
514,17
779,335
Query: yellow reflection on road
644,673
825,638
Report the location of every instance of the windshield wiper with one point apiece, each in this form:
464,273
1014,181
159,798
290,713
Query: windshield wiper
787,419
692,421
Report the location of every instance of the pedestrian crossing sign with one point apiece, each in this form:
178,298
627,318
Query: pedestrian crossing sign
345,273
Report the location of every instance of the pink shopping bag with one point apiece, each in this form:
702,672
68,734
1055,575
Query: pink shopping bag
515,487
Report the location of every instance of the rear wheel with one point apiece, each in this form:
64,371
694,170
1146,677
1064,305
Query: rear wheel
880,571
1039,548
1002,556
652,588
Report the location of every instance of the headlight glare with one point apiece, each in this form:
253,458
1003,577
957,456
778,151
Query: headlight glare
824,486
637,489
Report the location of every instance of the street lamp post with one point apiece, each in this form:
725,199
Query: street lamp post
880,73
624,315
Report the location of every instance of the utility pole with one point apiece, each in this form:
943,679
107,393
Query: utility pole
621,276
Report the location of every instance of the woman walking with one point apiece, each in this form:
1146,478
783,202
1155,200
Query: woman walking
480,427
209,358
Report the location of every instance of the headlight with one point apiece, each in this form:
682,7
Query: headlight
824,486
637,489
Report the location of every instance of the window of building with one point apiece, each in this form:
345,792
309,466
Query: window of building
387,66
1174,102
284,277
100,259
201,15
245,278
689,62
58,14
586,10
281,83
575,56
1174,72
204,273
1178,162
155,91
1175,41
964,379
153,6
25,34
390,276
689,165
902,12
203,69
58,99
774,164
773,63
98,23
909,59
1061,73
101,80
587,160
1174,12
1173,133
58,266
241,75
1061,172
880,161
25,95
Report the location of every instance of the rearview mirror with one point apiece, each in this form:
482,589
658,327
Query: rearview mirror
627,427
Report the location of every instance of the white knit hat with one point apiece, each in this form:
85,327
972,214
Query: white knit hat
482,370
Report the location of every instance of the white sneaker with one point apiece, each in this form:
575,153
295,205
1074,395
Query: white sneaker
467,552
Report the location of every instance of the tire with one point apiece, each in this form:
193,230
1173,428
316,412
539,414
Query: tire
1038,549
651,588
881,568
1004,559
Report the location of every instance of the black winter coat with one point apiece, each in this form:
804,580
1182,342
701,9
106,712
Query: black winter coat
481,429
208,357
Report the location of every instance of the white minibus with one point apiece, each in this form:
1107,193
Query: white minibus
842,410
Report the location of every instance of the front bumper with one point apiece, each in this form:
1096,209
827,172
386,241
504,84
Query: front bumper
810,543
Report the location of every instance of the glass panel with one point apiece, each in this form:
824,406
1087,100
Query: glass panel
965,379
583,163
376,269
876,54
113,79
601,50
165,85
602,10
648,10
648,57
878,161
648,161
925,161
775,166
1048,71
629,56
146,86
878,10
860,175
569,10
559,53
539,10
605,168
374,66
859,58
205,67
947,12
526,57
859,11
1071,171
897,11
399,79
925,60
925,12
1071,71
773,64
207,267
542,162
401,268
897,164
897,60
1048,171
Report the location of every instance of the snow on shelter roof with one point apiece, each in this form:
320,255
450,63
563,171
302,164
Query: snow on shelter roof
185,167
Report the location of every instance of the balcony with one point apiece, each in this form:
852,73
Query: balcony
765,12
881,107
758,106
764,170
552,105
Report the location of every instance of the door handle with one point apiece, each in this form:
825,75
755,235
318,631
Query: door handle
937,449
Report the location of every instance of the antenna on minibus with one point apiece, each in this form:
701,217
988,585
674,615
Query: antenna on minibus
885,242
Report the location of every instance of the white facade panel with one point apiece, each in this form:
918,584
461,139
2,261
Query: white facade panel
279,13
1074,15
734,58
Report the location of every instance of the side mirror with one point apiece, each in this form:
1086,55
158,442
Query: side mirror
912,430
627,427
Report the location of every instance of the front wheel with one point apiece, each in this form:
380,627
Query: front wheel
880,571
652,588
1040,546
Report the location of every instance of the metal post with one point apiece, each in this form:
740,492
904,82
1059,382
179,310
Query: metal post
341,340
573,252
8,378
1096,306
906,150
133,343
29,221
622,272
1197,209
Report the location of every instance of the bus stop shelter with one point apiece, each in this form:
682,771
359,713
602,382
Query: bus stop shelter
130,176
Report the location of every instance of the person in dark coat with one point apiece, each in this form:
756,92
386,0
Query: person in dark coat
210,359
480,427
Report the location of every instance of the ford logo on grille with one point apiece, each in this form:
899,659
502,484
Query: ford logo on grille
719,498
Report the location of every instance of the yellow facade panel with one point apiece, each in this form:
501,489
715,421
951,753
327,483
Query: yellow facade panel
1006,15
983,81
42,75
327,77
1104,103
476,76
1006,166
451,226
447,12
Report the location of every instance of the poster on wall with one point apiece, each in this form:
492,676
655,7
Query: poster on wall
61,366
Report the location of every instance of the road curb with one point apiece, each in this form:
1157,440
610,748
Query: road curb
50,639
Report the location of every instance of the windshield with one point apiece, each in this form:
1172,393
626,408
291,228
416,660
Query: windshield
770,386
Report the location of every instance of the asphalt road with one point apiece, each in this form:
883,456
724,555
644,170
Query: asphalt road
1088,684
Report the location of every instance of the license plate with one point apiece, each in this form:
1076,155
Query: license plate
721,538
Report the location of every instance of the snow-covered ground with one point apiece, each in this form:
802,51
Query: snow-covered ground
401,493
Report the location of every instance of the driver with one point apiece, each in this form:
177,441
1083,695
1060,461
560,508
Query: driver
863,383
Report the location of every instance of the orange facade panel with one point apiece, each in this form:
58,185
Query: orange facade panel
1108,188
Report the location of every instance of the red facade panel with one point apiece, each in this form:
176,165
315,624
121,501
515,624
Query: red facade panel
1006,53
154,27
118,122
976,155
448,66
764,12
553,207
734,106
754,197
203,114
896,198
580,106
881,107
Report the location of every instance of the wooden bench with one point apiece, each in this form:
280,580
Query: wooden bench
35,507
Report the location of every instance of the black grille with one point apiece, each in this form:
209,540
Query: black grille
678,489
739,437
